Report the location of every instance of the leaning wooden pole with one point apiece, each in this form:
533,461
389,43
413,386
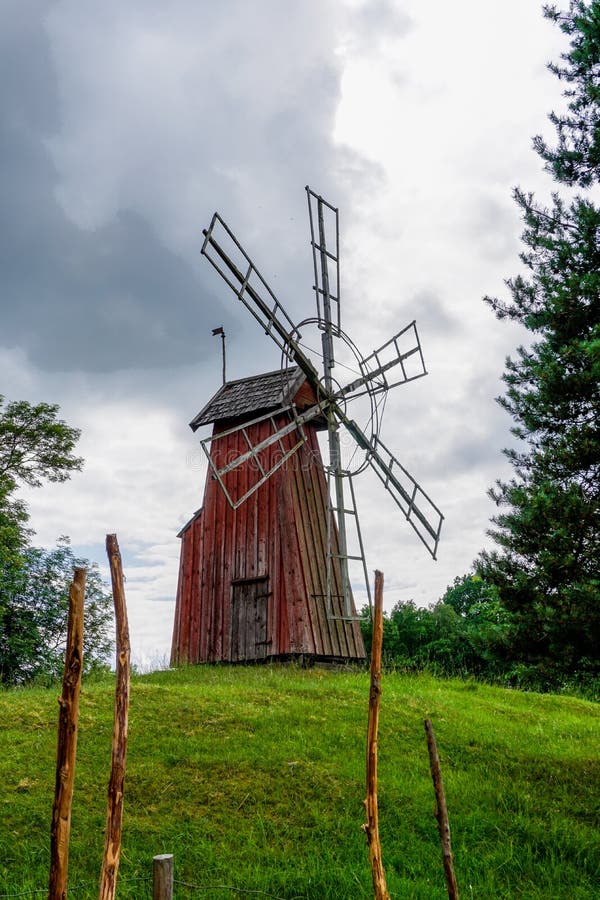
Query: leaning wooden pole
67,742
371,827
116,785
441,812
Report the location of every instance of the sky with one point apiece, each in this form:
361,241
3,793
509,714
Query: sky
126,125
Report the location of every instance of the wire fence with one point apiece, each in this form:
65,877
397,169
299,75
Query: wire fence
183,890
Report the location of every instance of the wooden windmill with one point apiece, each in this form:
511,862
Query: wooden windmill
265,563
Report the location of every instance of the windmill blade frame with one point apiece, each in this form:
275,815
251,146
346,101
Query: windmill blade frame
254,450
398,361
258,298
324,291
386,358
409,497
405,490
351,511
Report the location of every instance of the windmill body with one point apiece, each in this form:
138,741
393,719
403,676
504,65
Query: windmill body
265,562
252,582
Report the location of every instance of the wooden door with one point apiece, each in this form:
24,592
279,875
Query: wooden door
249,608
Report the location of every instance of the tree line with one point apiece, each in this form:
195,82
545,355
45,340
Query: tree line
529,612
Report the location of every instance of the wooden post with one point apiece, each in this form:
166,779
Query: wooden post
114,812
162,877
67,742
371,827
441,812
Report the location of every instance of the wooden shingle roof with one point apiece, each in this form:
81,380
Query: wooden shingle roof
250,396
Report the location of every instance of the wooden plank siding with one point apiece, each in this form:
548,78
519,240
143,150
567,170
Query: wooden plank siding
276,539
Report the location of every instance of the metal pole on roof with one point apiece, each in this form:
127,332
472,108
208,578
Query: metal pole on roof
221,331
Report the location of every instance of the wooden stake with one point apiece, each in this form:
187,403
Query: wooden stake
114,812
67,742
371,827
441,812
162,877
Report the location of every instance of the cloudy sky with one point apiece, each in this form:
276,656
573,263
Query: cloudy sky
126,124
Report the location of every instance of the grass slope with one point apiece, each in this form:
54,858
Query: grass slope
254,779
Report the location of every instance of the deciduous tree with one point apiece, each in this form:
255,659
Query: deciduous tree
33,615
37,446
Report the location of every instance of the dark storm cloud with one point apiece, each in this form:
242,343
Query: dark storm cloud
118,141
109,299
95,300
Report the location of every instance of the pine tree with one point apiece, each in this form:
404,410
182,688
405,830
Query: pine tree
547,565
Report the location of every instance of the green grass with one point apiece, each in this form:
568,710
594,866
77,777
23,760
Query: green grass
254,779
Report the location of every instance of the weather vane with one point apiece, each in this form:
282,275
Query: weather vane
220,330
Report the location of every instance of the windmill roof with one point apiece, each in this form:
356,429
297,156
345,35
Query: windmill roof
250,396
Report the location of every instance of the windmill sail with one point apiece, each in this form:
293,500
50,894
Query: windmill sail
404,350
251,288
419,509
325,235
280,436
328,309
259,456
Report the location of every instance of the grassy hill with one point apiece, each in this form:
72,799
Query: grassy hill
254,779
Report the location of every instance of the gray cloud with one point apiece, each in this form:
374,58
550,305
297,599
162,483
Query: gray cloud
431,314
492,226
429,311
108,298
103,197
192,108
375,21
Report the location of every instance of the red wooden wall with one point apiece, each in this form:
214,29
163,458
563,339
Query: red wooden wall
276,540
